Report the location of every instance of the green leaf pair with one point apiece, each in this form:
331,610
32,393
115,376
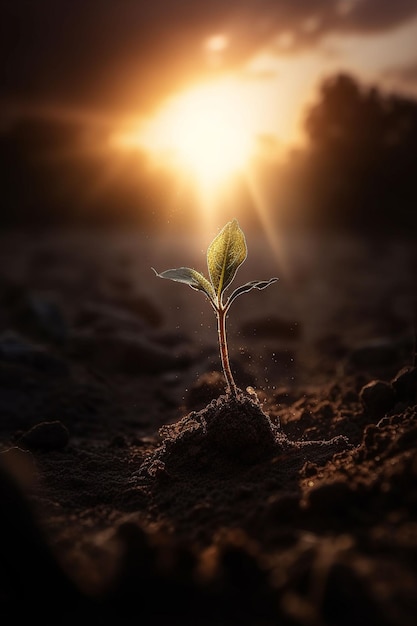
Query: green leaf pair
225,255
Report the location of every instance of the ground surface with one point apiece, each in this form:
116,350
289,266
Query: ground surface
130,485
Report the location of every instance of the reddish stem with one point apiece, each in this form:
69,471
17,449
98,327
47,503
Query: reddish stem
224,354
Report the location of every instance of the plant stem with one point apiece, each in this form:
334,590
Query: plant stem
224,354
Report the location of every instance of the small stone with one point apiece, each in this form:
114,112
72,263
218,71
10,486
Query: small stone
309,469
405,383
46,436
377,397
334,497
376,353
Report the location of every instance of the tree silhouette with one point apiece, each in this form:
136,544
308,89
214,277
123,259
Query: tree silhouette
361,169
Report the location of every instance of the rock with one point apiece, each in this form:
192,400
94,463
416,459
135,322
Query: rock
405,383
336,498
348,598
46,436
377,397
377,353
283,508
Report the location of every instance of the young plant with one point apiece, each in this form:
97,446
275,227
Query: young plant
225,255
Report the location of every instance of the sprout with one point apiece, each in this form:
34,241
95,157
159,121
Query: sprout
225,255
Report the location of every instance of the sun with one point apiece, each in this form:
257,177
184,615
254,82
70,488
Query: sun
209,135
207,132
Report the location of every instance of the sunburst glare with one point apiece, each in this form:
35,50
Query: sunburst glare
206,132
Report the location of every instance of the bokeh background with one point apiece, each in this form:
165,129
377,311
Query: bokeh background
320,131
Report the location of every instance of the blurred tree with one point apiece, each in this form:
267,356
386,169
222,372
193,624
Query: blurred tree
361,166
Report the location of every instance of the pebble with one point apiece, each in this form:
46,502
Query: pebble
405,383
377,397
45,436
378,353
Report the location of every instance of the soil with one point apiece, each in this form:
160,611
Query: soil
134,489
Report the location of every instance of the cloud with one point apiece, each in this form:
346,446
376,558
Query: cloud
129,53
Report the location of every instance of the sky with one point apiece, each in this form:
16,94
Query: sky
103,60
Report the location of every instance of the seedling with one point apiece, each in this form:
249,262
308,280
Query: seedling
225,255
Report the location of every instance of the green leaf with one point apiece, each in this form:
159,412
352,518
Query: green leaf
253,284
224,256
190,277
